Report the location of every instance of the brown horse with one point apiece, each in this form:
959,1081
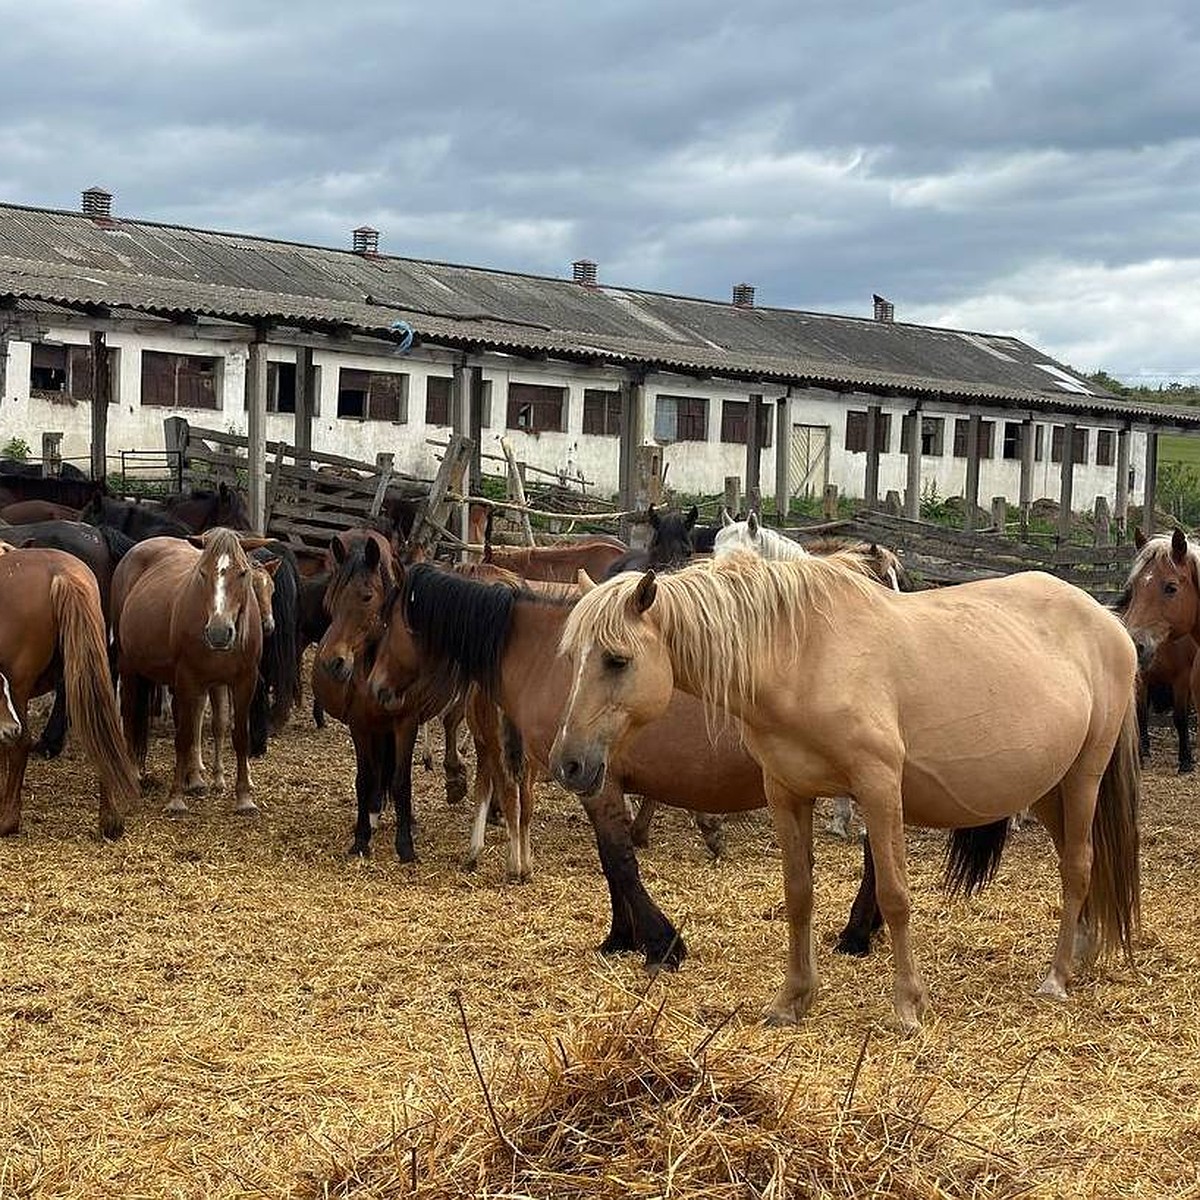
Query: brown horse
186,614
383,741
26,512
51,608
447,632
951,708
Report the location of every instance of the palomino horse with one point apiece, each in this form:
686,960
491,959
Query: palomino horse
51,608
951,708
383,740
1161,609
188,615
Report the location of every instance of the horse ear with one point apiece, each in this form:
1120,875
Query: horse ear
1139,538
271,565
752,523
371,554
197,540
726,519
1179,547
645,592
692,517
338,551
584,582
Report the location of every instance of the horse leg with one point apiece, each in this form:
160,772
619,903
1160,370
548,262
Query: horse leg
219,702
11,725
194,783
318,714
525,800
452,763
712,830
14,757
839,818
368,793
1182,698
882,811
637,922
243,696
483,721
793,817
865,916
639,830
188,705
398,774
50,744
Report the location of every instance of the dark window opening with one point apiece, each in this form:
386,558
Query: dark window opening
680,419
179,380
856,432
536,408
932,434
372,395
437,399
601,411
735,422
1078,447
1106,442
962,428
1012,439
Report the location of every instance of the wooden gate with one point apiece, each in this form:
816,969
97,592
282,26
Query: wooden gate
809,453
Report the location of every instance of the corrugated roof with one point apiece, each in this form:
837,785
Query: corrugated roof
70,259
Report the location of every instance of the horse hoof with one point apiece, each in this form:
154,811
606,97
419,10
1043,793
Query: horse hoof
195,787
470,864
1186,768
618,943
175,807
112,829
10,828
852,944
670,959
456,789
775,1019
245,808
1051,989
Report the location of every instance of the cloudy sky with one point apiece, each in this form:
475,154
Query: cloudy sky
1019,168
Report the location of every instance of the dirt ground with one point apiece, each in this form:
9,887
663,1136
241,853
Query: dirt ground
217,1006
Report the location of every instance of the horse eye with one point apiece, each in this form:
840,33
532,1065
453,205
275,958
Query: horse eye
614,662
1171,588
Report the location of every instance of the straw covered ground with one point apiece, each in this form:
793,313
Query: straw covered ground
222,1007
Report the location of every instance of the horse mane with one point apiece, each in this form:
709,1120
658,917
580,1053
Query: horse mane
880,560
225,541
118,543
720,619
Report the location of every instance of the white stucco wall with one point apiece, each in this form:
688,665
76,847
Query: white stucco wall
691,466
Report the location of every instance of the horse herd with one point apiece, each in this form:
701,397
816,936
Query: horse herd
720,670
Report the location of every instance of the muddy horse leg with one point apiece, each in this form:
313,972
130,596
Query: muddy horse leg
637,922
368,791
639,830
1182,697
243,696
398,759
865,917
188,706
456,772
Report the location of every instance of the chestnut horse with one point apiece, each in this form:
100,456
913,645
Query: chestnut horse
383,741
51,607
186,614
1161,609
950,708
554,564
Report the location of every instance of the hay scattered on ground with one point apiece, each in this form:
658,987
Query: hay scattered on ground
228,1008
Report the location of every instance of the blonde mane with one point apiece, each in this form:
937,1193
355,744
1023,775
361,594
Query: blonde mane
724,621
1156,548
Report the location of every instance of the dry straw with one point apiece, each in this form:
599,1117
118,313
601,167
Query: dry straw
216,1007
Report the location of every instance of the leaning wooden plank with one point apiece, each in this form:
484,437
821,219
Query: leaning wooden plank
434,509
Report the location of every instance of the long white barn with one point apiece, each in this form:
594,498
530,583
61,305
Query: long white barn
368,353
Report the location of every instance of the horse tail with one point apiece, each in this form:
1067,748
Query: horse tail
259,717
1113,905
973,857
91,700
281,657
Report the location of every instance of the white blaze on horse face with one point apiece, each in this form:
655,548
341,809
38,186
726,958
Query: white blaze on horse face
218,609
569,710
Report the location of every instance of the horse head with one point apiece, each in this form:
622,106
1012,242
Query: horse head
224,577
354,602
1162,594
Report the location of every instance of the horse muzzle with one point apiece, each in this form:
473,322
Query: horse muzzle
1146,645
220,637
582,774
339,668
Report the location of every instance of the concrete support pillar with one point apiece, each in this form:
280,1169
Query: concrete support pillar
1121,506
1025,498
306,398
1150,483
874,432
256,432
1066,482
912,490
971,490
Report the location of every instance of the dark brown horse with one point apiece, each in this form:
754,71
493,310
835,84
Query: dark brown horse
670,544
210,508
383,741
51,607
24,512
187,616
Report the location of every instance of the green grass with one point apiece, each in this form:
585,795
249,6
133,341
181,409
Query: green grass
1176,448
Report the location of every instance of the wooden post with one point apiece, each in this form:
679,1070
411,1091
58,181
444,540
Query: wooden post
754,443
1150,483
256,431
1103,522
305,398
175,439
733,495
874,428
52,455
3,366
783,457
971,490
274,475
1025,499
633,402
101,395
475,429
434,510
517,485
1067,482
999,515
891,503
385,462
829,502
1121,508
912,490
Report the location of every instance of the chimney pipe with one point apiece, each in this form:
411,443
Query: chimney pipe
366,241
97,203
584,272
743,295
885,310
